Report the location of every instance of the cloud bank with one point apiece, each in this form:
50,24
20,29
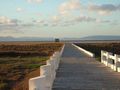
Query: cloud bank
104,9
35,1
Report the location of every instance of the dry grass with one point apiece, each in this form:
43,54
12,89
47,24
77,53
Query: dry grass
97,47
21,61
23,85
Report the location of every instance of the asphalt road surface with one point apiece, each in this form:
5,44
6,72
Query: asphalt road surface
78,71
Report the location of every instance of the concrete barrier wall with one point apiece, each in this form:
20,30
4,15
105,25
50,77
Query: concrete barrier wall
110,60
47,73
107,58
37,83
85,51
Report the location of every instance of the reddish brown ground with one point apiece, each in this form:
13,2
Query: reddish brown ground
23,85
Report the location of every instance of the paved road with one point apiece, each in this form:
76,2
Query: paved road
77,71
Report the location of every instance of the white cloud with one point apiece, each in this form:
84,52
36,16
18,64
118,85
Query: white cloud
41,22
19,9
53,21
35,1
69,6
9,31
56,19
7,21
74,20
104,9
4,20
8,24
83,18
102,21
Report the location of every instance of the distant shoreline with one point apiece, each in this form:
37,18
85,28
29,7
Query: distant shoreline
66,41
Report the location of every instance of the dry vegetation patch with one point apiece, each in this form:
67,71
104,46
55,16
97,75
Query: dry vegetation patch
97,47
19,62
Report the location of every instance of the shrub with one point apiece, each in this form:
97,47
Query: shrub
3,86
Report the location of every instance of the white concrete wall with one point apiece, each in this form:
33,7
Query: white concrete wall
85,51
47,73
37,83
110,60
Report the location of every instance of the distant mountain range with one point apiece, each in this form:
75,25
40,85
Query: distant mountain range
25,39
99,37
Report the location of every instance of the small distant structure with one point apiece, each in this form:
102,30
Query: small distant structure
57,40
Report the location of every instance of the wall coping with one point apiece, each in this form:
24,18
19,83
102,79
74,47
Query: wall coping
84,50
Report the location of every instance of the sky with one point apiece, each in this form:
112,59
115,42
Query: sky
59,18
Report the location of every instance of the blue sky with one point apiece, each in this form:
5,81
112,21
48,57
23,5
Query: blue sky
59,18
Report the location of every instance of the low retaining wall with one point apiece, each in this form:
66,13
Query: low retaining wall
110,60
47,73
85,51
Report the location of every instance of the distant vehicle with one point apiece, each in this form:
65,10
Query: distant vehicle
57,40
